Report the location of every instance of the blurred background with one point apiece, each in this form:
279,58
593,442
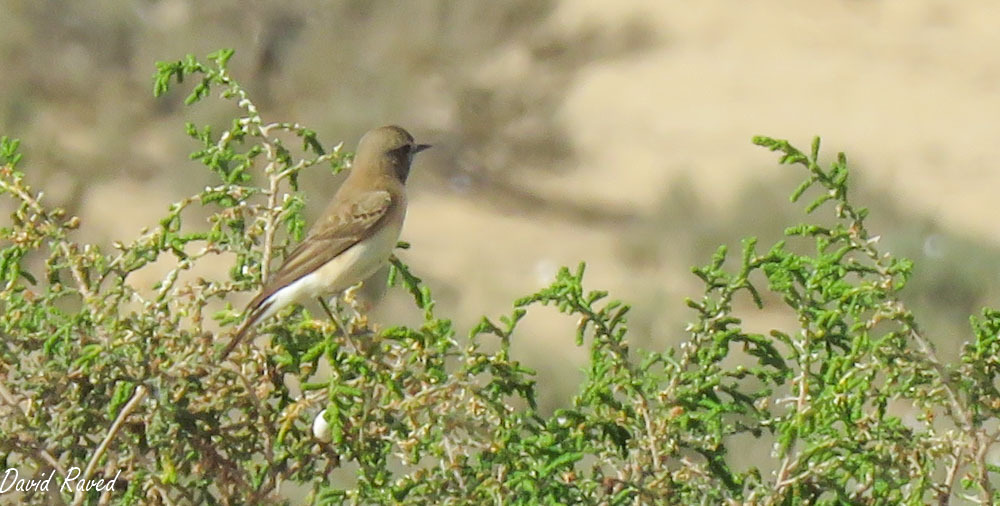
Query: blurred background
616,133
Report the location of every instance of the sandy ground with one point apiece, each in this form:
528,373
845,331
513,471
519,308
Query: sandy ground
908,88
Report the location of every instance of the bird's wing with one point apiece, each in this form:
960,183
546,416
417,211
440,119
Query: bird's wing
348,222
343,226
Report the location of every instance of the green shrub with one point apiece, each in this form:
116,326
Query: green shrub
116,381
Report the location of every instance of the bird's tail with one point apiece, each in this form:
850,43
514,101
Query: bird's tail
244,329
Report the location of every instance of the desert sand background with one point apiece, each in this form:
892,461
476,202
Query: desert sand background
616,133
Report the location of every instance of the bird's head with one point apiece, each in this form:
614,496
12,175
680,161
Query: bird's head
387,148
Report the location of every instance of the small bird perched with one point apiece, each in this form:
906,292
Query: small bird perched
355,236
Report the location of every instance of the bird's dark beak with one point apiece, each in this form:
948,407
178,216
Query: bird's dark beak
418,148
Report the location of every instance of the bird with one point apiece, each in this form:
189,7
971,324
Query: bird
352,239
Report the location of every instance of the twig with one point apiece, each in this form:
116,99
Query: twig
271,217
268,453
74,263
130,406
944,496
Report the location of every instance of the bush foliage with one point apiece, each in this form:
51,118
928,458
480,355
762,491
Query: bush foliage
101,376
